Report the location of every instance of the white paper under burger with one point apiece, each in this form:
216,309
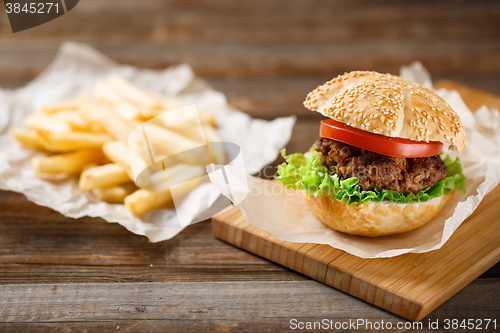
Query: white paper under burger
284,214
74,71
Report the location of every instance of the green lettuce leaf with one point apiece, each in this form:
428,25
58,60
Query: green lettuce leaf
307,174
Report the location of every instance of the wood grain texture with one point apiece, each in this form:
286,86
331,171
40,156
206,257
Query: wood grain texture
268,38
198,307
40,246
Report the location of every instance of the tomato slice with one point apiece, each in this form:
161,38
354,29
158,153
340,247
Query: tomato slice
385,145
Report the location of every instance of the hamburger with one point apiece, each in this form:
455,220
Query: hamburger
378,167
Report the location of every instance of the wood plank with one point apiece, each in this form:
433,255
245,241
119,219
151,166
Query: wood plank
43,246
219,307
20,61
268,38
258,20
263,21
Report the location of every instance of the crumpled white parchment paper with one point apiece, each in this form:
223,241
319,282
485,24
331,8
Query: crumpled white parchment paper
75,69
284,214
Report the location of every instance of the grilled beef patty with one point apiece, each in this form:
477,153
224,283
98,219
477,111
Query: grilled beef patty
376,171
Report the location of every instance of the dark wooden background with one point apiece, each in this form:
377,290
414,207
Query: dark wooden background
87,275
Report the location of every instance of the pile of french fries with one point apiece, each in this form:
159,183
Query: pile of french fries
88,137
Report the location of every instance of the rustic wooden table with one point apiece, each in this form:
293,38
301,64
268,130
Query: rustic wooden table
59,274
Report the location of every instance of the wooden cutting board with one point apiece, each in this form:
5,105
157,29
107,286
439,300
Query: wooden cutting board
410,285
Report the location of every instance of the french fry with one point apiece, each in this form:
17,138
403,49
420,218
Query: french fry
132,93
26,137
114,194
189,173
53,176
139,145
70,163
173,143
104,176
184,123
157,179
143,200
106,118
69,104
108,94
217,151
178,121
41,122
206,117
117,152
70,141
127,111
169,103
73,119
91,165
175,171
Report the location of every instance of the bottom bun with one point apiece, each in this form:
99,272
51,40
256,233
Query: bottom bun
374,218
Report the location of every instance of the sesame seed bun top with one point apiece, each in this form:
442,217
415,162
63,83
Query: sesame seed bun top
388,105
